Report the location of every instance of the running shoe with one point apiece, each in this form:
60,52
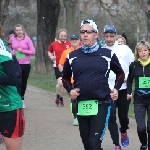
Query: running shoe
75,122
61,103
124,139
117,148
1,138
57,101
143,147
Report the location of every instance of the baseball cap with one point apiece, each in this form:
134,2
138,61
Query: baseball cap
11,32
90,23
110,28
74,36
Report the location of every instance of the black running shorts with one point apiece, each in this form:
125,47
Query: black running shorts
12,123
58,74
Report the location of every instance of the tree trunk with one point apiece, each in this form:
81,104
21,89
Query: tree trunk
148,21
70,14
3,10
47,20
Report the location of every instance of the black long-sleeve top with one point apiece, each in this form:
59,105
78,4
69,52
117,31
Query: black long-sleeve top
136,70
9,78
90,72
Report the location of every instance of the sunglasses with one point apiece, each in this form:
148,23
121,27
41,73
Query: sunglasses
87,31
143,43
72,39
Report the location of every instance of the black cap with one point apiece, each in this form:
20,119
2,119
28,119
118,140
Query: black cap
11,32
74,36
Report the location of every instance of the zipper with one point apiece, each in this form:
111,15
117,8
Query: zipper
143,71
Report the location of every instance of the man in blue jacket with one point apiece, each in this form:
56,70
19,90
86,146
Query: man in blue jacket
90,66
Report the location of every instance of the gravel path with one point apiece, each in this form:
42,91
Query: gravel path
50,128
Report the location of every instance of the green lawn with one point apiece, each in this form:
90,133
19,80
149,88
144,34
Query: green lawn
48,82
43,81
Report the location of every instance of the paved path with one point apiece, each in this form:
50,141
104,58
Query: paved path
50,128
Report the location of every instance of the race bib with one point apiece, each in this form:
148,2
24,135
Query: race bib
144,82
20,55
88,108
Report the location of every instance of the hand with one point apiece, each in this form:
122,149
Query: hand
129,96
114,94
19,49
13,52
53,58
74,93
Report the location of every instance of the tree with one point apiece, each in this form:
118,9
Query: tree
3,10
70,15
47,20
148,20
129,17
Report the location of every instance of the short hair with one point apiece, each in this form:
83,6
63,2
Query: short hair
139,46
120,36
11,32
60,30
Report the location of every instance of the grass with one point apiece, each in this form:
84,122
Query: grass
131,110
48,82
43,81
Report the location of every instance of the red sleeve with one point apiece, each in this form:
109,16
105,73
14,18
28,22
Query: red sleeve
51,50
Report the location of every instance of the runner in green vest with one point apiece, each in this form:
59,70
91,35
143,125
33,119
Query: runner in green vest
12,120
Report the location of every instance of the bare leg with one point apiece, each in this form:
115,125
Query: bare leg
13,143
59,87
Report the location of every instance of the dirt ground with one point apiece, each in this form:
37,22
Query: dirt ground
50,128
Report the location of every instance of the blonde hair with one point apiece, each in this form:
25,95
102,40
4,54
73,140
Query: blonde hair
139,46
120,36
19,25
61,31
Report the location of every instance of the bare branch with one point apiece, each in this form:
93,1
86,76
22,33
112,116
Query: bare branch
3,10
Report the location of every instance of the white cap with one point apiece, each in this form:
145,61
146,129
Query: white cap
90,23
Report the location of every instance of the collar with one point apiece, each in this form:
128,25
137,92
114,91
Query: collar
145,63
61,42
111,47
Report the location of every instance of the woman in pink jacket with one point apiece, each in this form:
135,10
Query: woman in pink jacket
22,47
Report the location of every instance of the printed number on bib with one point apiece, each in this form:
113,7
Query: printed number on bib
88,108
144,82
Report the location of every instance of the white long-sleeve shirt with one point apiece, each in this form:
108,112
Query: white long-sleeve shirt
125,57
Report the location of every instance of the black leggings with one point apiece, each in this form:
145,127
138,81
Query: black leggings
140,111
25,74
123,106
92,128
74,108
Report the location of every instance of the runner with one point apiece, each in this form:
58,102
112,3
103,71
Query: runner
90,66
125,57
139,71
12,120
75,41
121,40
55,51
11,33
22,47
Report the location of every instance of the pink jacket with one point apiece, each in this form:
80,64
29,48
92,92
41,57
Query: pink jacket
26,46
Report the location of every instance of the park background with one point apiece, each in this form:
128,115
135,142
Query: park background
129,16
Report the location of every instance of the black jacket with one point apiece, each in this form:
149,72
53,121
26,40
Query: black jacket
136,70
90,72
